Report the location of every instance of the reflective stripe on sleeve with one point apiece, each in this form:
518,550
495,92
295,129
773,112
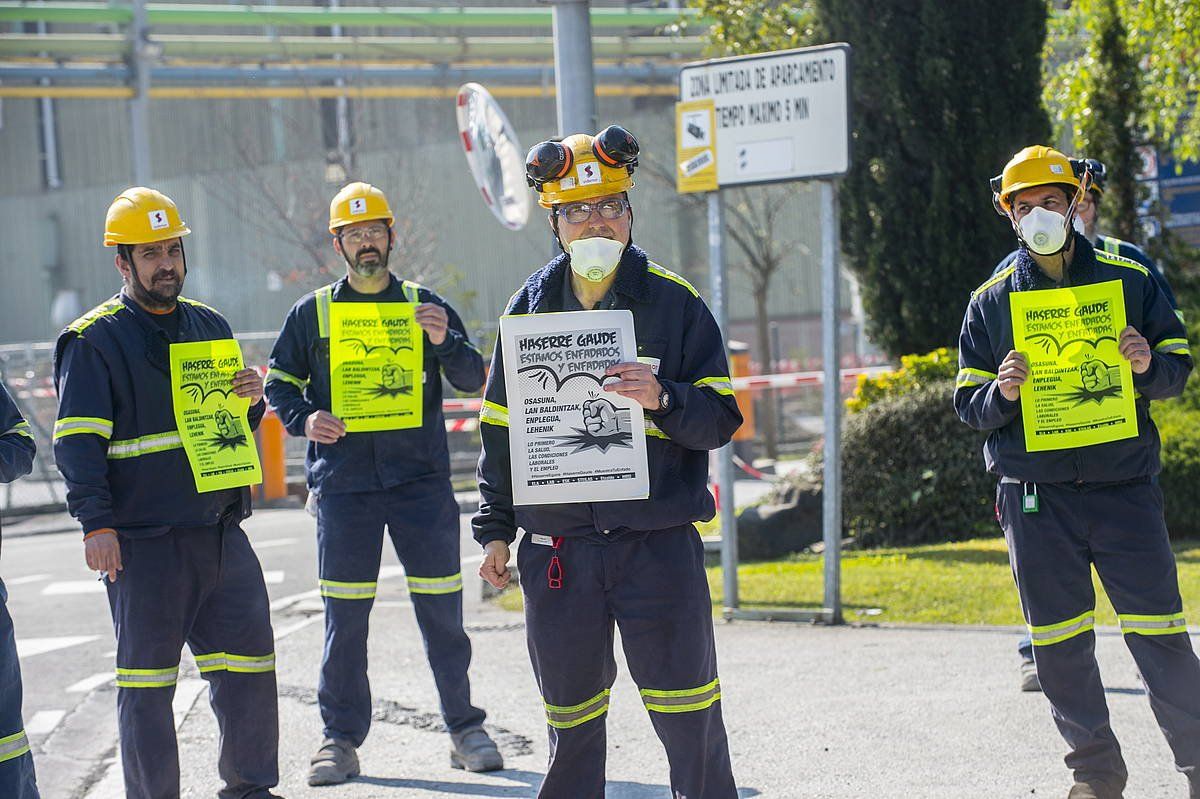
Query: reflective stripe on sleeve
436,585
492,413
1046,634
721,385
74,425
682,701
566,717
136,447
972,377
279,374
335,589
241,664
21,428
147,678
653,430
1163,624
1172,345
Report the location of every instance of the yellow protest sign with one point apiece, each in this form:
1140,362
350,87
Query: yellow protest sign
696,146
211,419
376,364
1080,388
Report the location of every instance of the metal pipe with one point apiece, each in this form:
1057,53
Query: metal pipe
139,124
720,309
636,77
831,494
63,45
49,132
190,15
574,77
377,92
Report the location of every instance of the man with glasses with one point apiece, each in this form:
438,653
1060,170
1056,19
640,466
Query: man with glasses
366,481
637,563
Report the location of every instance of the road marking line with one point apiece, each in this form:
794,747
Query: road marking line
296,627
74,587
31,578
28,647
275,542
88,683
292,599
43,722
273,577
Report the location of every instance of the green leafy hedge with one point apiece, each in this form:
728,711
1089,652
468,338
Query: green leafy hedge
915,371
1178,422
913,473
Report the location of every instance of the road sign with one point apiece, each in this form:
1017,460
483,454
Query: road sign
778,116
696,161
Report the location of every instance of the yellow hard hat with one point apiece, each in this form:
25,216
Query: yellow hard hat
141,216
581,167
358,202
1034,166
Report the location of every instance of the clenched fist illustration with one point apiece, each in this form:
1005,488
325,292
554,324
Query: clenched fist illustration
600,417
1095,375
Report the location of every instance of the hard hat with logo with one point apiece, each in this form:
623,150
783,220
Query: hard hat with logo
1034,166
581,167
142,216
358,202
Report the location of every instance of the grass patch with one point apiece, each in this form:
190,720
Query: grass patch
968,582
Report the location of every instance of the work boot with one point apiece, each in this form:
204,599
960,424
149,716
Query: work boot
1029,678
473,750
334,763
1094,789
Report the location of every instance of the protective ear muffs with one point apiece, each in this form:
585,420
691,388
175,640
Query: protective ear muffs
616,147
548,161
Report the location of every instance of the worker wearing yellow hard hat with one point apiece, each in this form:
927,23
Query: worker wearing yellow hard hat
365,482
637,564
1067,505
179,569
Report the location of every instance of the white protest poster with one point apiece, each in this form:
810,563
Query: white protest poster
569,440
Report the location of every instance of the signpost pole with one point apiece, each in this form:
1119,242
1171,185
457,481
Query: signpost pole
831,356
725,490
753,120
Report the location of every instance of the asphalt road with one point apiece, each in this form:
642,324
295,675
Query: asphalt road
812,712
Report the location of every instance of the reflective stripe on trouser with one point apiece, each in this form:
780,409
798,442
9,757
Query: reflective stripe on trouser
1120,529
422,520
202,586
654,587
17,779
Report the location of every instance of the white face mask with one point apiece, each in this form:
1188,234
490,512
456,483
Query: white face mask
595,259
1043,231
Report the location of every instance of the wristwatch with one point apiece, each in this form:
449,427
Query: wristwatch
664,400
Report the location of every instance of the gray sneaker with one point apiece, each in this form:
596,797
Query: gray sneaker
334,763
1029,678
473,750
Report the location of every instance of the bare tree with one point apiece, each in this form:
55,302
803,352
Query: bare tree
293,199
754,220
